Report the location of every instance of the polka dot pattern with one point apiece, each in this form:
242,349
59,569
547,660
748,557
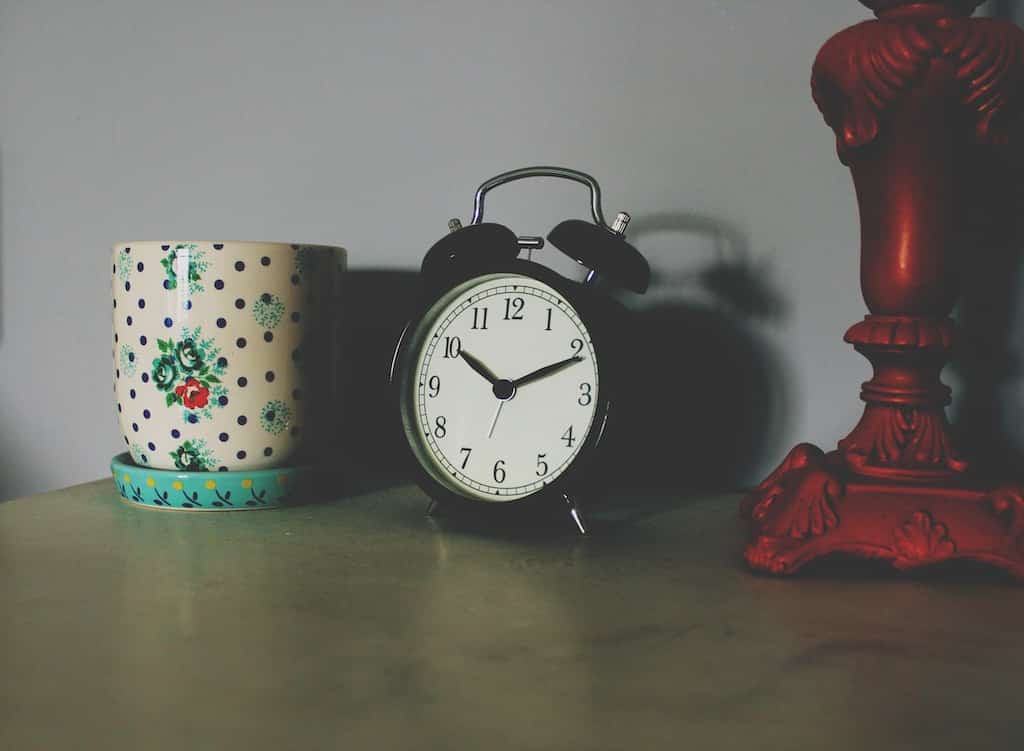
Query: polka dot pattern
203,352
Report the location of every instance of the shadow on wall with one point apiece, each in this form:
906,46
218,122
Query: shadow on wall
377,305
989,415
705,403
1005,8
989,420
704,393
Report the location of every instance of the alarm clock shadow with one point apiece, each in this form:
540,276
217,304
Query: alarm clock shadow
701,403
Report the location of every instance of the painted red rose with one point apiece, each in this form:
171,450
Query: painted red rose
193,394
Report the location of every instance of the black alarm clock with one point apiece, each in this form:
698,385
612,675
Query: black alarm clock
506,374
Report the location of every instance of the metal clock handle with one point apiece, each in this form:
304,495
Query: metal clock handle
561,172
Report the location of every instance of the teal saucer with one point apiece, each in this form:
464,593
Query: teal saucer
212,491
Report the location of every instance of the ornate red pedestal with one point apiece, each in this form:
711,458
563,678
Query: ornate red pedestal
919,99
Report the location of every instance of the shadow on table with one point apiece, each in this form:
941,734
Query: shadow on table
840,567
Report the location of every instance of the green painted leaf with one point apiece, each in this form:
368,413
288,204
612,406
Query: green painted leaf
171,399
211,379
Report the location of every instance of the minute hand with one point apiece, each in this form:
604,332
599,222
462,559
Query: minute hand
546,370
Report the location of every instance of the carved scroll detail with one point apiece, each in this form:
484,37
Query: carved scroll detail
989,56
1008,503
921,541
810,488
862,71
895,437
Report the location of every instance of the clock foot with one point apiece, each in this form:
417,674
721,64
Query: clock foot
575,514
432,508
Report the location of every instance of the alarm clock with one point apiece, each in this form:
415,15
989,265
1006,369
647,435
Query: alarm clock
506,375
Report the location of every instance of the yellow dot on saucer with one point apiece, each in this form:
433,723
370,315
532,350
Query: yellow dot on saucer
210,484
282,479
127,478
246,484
150,481
176,485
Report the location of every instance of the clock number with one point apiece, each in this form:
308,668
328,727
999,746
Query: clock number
499,471
452,347
465,459
585,397
480,318
434,384
577,346
440,427
514,308
567,436
542,466
547,327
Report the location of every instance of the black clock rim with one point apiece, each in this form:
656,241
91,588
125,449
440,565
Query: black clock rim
579,479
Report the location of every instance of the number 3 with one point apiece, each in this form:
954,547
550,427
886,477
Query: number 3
585,397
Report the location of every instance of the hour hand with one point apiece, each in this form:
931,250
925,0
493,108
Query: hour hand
546,370
479,367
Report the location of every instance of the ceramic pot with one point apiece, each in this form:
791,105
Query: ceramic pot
224,352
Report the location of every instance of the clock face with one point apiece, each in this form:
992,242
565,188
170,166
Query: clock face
504,388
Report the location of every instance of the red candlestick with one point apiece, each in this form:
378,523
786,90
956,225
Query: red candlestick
917,99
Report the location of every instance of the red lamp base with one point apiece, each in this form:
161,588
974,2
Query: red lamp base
924,101
812,506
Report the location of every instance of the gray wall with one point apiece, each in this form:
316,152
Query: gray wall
368,124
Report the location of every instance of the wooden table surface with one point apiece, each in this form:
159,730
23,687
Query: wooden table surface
362,624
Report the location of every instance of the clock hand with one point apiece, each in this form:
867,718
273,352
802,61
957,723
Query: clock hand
546,370
478,366
497,414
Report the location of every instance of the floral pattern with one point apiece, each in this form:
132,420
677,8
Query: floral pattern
189,372
124,264
138,455
165,373
127,360
268,310
190,256
193,394
275,417
193,456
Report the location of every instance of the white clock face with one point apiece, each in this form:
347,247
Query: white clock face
504,388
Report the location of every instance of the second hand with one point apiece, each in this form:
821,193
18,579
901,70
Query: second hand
494,422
